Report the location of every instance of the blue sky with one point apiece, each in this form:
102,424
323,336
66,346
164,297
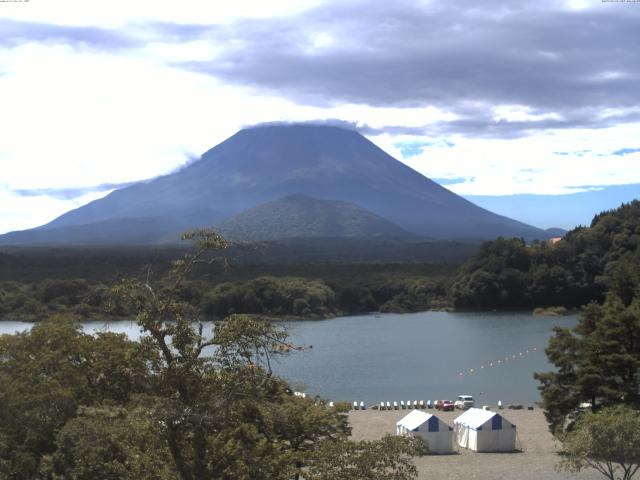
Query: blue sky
528,108
564,211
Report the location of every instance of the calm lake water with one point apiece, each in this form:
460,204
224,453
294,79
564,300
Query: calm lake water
426,355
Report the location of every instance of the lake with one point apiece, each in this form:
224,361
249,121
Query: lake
428,355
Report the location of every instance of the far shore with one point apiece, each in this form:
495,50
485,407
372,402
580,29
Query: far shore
537,312
535,459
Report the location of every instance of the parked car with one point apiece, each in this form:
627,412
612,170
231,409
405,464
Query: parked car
464,402
447,406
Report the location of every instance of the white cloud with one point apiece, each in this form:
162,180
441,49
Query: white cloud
117,13
580,4
21,212
520,113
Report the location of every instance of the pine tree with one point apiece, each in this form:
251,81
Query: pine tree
598,362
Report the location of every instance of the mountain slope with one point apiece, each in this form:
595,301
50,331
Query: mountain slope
261,164
300,216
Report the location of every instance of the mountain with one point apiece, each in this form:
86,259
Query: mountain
301,216
265,163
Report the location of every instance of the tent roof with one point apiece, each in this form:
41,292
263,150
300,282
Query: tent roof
475,418
414,419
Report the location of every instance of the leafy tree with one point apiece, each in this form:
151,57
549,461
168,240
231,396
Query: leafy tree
108,442
180,403
272,296
225,414
302,422
63,291
387,458
353,297
495,277
608,441
211,406
51,370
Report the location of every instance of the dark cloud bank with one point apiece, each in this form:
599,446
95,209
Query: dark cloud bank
464,57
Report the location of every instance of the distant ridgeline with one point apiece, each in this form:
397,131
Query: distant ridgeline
582,267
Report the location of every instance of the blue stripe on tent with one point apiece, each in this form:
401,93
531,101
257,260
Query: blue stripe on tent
496,422
433,424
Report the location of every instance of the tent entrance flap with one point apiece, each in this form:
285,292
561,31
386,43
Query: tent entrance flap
433,424
496,422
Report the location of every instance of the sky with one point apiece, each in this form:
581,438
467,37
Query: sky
531,109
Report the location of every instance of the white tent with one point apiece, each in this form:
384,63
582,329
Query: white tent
438,435
485,431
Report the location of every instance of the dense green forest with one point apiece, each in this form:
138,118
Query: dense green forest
501,274
509,274
42,285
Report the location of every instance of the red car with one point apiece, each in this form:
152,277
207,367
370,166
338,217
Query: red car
446,405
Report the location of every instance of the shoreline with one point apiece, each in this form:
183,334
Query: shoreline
535,312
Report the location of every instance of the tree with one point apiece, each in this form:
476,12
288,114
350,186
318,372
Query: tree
47,373
387,458
495,277
598,362
180,403
107,442
224,413
212,407
558,388
608,441
306,423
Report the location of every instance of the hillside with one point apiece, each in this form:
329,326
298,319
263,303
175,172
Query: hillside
582,267
300,216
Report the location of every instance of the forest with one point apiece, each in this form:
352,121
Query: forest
588,261
305,290
504,274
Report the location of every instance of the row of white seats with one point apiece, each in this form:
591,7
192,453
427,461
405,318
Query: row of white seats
411,405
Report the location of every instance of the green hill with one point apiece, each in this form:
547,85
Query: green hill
300,216
582,267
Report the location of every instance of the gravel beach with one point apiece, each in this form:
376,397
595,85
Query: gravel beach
535,460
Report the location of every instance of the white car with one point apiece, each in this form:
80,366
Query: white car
464,402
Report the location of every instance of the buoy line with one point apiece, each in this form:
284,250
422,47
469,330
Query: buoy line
508,358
